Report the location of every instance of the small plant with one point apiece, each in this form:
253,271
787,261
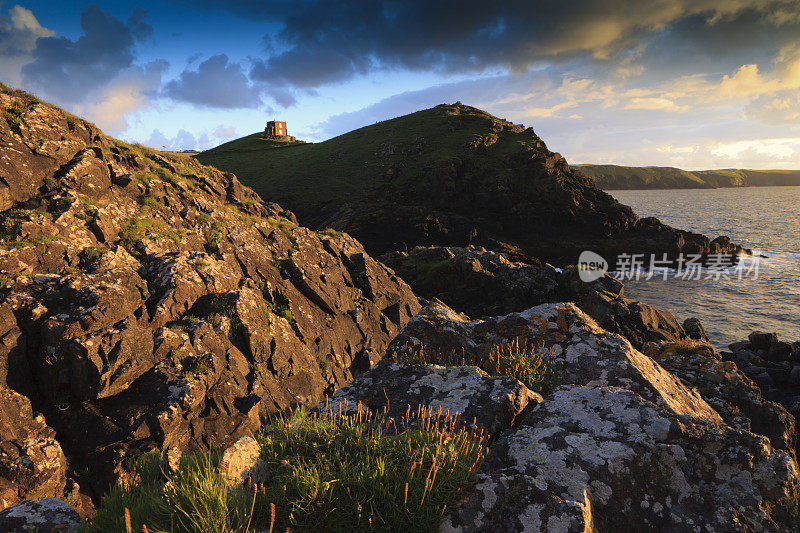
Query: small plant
90,257
285,313
328,472
13,117
534,369
682,348
214,239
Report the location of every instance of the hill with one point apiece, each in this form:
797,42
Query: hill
615,177
449,175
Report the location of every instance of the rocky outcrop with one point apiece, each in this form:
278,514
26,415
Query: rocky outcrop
622,443
151,302
463,277
32,463
45,516
598,458
489,403
774,366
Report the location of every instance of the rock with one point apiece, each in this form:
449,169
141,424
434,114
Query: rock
241,463
779,351
694,329
603,458
733,395
462,277
482,401
581,351
761,341
151,302
45,516
32,464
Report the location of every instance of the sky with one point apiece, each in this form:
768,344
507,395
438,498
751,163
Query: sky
696,84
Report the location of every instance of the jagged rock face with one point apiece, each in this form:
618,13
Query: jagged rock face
489,403
598,458
774,366
733,395
148,301
463,277
32,464
502,189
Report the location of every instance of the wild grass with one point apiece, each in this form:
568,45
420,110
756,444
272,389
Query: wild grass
534,368
681,348
326,472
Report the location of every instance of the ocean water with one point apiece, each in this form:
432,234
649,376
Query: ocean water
766,219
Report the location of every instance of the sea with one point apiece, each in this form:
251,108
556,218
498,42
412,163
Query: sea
765,296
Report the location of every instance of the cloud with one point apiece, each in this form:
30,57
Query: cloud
216,83
654,103
185,140
18,34
224,132
328,42
128,93
71,71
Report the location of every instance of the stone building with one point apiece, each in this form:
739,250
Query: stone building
277,130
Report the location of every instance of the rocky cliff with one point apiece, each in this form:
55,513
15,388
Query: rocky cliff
615,177
148,302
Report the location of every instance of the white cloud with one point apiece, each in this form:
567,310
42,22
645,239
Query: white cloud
18,34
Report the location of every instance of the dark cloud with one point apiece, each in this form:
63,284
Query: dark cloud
215,83
69,71
18,34
324,42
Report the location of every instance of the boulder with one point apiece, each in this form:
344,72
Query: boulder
604,458
49,515
761,341
481,401
32,463
694,329
573,343
241,463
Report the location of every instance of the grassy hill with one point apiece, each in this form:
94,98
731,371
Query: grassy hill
450,175
359,165
612,177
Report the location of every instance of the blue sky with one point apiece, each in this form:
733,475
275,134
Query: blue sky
688,83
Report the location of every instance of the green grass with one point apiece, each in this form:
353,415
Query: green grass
533,368
326,473
362,164
214,238
135,229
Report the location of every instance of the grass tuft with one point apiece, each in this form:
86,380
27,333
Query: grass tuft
534,369
329,472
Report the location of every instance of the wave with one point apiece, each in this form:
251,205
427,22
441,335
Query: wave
769,254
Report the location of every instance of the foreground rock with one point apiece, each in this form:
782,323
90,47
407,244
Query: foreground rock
603,458
463,277
773,364
490,403
32,464
621,444
150,302
45,516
